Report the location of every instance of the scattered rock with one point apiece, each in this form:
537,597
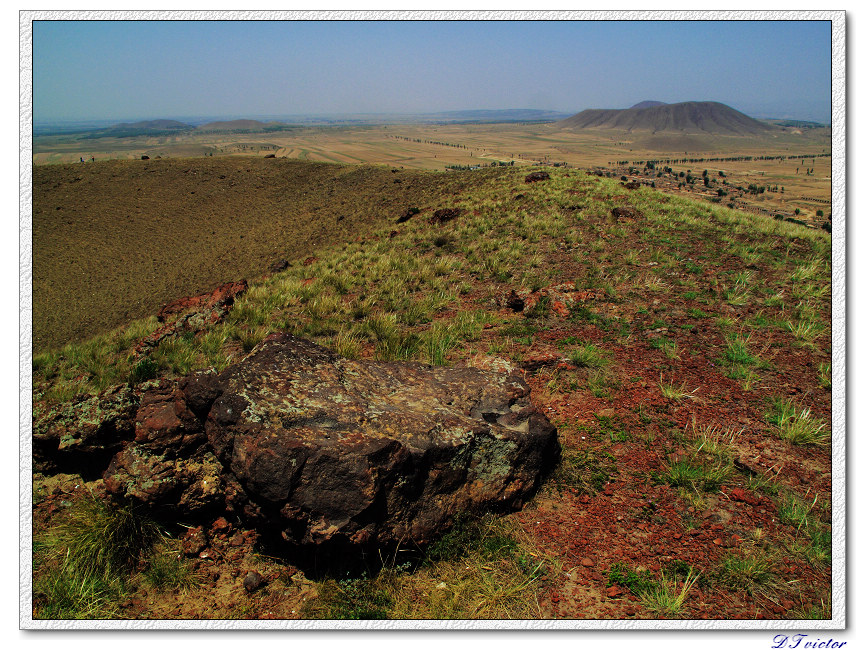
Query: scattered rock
196,313
534,177
408,214
220,298
514,302
587,562
561,298
632,185
194,541
253,581
625,212
535,359
444,215
281,265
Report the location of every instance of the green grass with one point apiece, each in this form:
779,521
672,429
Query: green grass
668,346
81,567
667,597
585,471
664,595
167,569
795,423
748,569
589,356
671,391
813,538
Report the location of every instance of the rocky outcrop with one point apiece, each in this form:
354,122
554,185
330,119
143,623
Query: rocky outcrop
81,435
193,314
559,299
336,452
167,465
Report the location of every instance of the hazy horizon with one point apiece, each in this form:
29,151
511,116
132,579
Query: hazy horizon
137,70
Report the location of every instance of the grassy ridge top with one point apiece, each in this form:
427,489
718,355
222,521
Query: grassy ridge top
380,294
114,240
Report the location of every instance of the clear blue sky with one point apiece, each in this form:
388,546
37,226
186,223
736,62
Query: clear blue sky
163,69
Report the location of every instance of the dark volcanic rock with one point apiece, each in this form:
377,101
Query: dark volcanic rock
169,466
444,215
323,450
408,214
278,266
83,434
332,450
534,177
253,581
626,212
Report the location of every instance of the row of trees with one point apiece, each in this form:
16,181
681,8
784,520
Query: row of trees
422,141
674,161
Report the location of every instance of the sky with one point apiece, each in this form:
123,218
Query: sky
168,69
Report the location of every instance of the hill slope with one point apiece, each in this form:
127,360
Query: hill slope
115,240
685,117
681,349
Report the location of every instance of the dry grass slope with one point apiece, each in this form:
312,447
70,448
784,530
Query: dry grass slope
114,240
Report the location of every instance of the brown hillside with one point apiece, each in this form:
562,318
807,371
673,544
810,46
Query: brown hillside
115,240
685,117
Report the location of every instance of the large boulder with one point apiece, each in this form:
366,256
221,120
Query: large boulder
333,452
337,450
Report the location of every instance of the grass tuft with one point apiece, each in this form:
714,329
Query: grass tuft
795,424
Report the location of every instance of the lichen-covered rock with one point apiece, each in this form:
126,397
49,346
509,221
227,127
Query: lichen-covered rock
83,434
332,450
168,466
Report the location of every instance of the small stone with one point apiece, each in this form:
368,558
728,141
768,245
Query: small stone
220,524
253,581
587,562
194,541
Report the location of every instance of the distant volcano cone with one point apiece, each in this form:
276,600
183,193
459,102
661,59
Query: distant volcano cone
686,117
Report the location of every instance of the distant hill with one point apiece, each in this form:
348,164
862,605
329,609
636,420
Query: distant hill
152,125
135,129
254,126
685,117
649,103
